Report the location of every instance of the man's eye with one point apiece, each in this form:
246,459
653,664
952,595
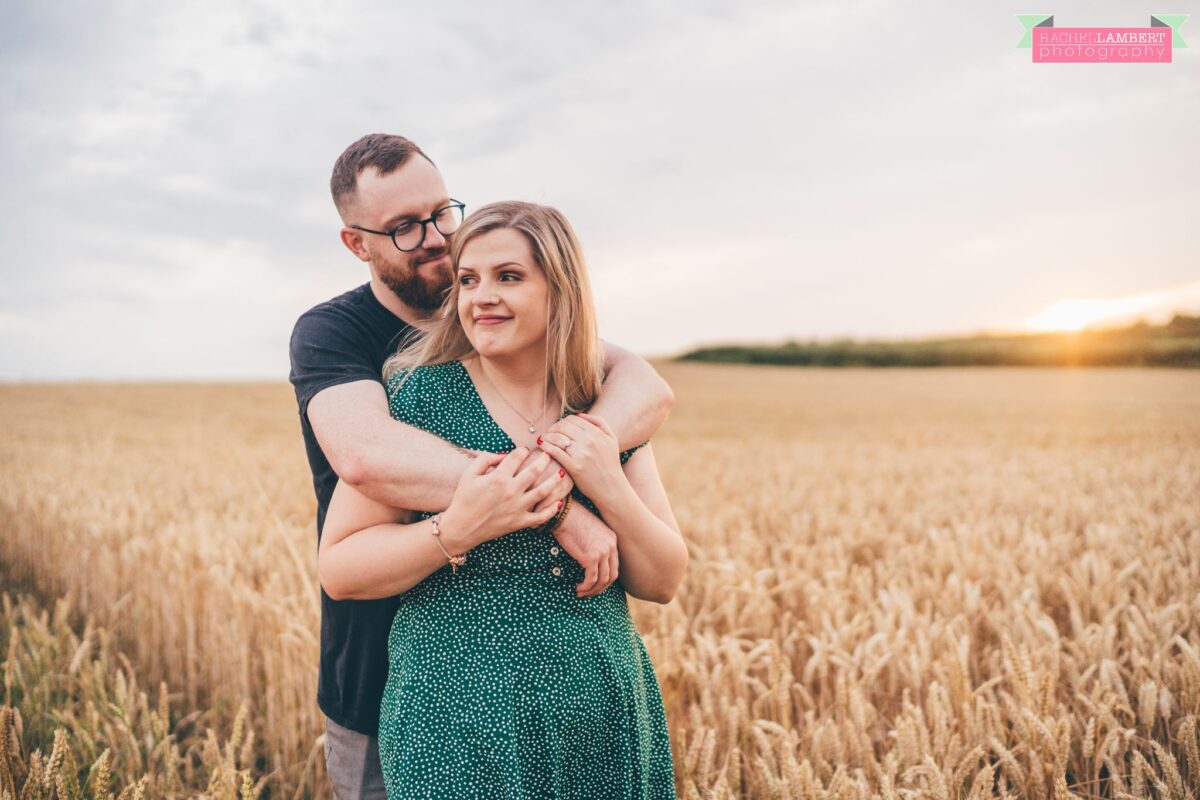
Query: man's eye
402,229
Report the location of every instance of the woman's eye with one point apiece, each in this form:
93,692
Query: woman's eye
512,275
464,280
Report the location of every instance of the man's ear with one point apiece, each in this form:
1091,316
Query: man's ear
354,243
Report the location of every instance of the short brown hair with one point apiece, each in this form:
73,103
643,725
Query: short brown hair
385,152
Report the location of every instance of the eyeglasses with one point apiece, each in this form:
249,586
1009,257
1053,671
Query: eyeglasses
410,234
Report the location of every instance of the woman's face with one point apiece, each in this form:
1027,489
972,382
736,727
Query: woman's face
502,295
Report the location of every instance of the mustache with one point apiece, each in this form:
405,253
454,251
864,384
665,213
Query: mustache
433,255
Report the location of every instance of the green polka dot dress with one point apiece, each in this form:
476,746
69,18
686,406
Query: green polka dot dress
501,682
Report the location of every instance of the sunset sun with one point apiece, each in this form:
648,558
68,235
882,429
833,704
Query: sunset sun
1070,315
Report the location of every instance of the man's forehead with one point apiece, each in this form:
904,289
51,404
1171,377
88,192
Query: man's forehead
415,188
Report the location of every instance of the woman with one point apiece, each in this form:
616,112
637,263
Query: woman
503,683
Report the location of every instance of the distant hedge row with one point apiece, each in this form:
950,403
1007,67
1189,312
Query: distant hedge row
1176,344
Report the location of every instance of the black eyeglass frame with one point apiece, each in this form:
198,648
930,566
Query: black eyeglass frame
462,208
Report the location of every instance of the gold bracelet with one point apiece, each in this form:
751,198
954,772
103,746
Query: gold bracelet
556,520
455,561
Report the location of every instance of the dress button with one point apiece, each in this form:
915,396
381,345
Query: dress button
553,551
556,571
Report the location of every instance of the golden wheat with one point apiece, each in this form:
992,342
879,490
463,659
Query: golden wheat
77,696
904,583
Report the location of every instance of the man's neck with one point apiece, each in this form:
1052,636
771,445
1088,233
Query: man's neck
392,302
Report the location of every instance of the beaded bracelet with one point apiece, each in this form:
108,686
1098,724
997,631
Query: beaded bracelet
455,561
556,520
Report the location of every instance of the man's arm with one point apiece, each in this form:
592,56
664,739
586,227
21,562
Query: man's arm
634,400
396,464
405,467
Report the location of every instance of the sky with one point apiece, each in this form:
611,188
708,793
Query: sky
752,171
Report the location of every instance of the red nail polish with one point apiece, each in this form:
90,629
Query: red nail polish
560,505
539,441
562,472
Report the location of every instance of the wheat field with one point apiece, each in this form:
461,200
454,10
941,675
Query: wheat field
908,583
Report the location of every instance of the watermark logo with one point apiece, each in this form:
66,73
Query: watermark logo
1152,45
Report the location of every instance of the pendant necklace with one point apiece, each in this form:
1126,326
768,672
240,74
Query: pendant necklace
530,422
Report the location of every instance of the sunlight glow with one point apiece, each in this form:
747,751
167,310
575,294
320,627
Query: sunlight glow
1075,314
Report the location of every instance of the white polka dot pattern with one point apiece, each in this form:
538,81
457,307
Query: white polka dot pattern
501,682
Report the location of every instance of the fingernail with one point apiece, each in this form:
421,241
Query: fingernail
562,472
560,505
539,441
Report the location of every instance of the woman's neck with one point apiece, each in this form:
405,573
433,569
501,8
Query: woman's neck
520,378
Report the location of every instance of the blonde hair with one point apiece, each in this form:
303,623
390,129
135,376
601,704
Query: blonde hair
574,361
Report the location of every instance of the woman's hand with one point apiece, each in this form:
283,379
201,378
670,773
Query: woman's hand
497,494
587,448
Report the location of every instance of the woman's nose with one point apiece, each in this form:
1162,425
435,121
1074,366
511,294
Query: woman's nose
484,296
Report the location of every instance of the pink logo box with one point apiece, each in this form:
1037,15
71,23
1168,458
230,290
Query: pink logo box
1092,45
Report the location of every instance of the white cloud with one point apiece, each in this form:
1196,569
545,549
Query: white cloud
736,171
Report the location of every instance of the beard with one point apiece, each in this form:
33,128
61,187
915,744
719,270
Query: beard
418,291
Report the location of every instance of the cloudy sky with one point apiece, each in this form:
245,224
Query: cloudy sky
736,171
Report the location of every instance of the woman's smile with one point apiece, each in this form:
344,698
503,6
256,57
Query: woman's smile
491,319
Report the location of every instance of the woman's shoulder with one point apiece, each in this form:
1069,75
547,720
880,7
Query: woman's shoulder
408,379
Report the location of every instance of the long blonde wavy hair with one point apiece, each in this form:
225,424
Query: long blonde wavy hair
574,361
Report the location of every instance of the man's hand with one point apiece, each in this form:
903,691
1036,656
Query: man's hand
593,544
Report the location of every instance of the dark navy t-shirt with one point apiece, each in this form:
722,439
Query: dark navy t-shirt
342,340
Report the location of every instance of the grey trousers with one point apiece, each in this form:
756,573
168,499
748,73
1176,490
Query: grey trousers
352,761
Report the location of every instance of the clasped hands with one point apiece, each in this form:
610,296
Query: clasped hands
504,492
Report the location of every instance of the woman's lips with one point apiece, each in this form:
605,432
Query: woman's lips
491,320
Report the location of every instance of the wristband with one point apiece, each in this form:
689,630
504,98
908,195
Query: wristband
556,520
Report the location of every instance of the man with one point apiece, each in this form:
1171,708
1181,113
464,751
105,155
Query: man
397,217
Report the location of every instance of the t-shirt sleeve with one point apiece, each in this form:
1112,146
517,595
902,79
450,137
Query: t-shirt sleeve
325,351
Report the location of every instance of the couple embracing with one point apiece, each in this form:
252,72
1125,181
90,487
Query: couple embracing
486,499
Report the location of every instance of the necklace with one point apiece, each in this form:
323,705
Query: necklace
530,422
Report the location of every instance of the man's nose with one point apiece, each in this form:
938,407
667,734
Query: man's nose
433,237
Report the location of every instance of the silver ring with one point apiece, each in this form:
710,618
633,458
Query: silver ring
569,441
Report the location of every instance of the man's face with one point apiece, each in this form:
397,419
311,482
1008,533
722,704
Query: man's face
414,191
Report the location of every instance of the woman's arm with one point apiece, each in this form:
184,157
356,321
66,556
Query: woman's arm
653,553
631,501
370,550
